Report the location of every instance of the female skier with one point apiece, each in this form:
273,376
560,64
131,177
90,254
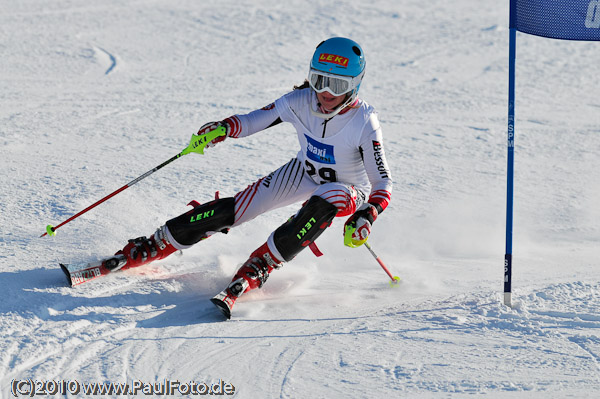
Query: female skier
340,171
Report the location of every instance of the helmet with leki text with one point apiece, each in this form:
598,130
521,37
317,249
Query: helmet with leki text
337,66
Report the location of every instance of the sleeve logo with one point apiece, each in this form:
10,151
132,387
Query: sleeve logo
378,153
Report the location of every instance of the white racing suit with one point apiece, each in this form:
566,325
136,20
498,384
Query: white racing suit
341,159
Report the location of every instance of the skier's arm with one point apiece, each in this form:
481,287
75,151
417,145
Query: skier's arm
371,148
243,125
376,166
254,122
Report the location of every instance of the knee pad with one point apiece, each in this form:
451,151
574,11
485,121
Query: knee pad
193,226
304,228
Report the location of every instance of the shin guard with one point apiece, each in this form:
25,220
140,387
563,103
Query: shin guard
202,221
304,228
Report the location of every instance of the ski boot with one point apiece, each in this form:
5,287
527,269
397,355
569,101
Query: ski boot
142,250
253,274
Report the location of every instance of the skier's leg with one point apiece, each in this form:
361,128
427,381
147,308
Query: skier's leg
327,201
180,232
301,230
283,245
286,185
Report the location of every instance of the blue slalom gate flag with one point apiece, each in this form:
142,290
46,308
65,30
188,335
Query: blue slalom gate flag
557,19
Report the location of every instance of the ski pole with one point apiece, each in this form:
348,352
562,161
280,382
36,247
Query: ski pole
395,279
197,144
349,242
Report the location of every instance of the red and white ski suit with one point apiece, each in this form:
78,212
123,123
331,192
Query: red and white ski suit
341,159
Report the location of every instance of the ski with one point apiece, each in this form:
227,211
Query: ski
225,299
222,306
80,273
223,303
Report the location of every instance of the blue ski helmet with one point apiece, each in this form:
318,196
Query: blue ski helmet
337,57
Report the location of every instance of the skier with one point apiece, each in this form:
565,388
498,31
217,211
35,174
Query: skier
341,161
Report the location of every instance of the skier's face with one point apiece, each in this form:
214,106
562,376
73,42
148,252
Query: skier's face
329,101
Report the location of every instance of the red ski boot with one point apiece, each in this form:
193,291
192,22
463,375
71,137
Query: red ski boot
253,274
142,250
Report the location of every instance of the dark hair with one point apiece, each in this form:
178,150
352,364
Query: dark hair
304,85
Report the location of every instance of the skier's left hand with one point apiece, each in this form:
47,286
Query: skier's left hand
361,221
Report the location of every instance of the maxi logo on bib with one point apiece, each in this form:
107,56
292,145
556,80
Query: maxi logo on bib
319,152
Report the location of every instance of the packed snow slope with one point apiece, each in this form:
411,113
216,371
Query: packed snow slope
94,94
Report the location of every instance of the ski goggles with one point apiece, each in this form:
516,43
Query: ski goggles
334,84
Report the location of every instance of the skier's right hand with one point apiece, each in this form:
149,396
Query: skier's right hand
209,127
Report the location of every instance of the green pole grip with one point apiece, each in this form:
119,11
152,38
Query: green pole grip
348,241
199,142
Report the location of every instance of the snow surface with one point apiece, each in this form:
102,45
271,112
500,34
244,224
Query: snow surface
93,94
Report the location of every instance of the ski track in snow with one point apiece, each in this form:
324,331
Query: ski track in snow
107,59
94,96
